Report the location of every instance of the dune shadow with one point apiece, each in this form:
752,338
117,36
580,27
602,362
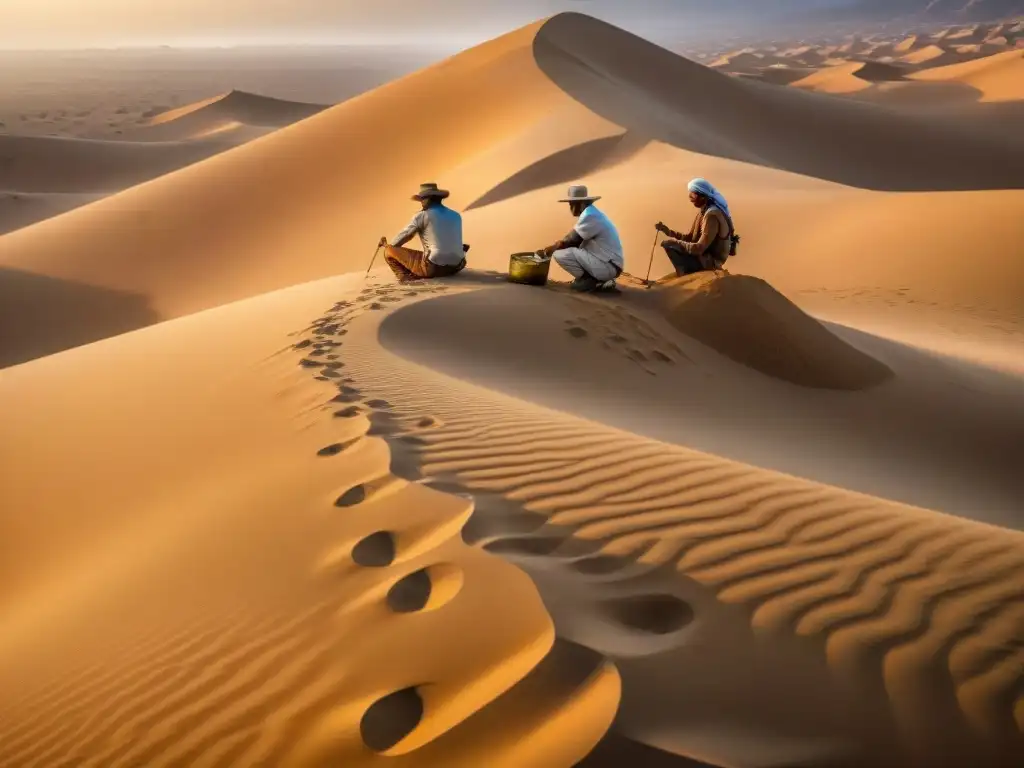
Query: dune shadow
653,92
616,750
42,315
564,166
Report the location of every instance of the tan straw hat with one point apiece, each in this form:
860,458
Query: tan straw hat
578,193
430,190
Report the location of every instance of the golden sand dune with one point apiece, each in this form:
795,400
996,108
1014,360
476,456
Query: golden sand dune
303,595
312,198
279,604
237,113
932,55
850,77
998,78
53,164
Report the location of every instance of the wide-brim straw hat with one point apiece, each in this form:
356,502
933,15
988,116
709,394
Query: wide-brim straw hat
430,190
579,194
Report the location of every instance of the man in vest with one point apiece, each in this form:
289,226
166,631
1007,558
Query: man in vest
711,237
440,232
592,251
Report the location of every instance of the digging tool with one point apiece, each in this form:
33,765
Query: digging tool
373,260
647,280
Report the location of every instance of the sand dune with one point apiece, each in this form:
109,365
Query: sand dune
281,225
52,164
707,585
52,175
466,523
237,113
999,77
285,640
850,77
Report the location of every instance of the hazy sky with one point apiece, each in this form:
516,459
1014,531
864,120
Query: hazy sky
84,23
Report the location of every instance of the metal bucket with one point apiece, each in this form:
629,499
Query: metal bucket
528,268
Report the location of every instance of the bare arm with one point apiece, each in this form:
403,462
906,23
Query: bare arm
571,240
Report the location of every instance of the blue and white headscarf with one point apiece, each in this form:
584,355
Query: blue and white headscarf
706,188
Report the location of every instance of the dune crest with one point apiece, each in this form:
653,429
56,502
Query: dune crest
748,321
292,208
999,77
230,111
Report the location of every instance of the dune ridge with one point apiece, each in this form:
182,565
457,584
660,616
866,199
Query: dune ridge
281,224
890,593
225,113
328,657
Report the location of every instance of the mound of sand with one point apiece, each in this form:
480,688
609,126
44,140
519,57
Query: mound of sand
933,55
746,320
850,77
999,77
237,112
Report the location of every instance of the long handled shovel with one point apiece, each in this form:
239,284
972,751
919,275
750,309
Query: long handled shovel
647,280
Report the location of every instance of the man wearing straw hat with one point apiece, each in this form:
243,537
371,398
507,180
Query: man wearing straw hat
592,251
440,231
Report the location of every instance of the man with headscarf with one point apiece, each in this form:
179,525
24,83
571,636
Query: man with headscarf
711,239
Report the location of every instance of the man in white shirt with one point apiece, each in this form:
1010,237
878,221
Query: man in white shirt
440,231
592,251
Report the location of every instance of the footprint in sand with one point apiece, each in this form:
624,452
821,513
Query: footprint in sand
351,497
576,332
308,363
378,404
636,354
376,305
329,373
375,551
305,343
391,719
661,357
348,413
426,589
335,448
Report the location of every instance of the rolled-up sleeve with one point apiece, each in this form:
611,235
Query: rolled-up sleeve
415,226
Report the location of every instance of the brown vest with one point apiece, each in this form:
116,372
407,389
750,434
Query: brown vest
716,254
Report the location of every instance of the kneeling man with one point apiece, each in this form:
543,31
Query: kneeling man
592,251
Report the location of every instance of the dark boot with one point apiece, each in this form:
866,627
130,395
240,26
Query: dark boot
584,284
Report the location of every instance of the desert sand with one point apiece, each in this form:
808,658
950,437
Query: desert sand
260,508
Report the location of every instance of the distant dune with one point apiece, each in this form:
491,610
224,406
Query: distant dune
287,190
999,77
246,114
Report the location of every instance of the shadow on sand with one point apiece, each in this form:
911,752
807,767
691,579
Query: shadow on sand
42,315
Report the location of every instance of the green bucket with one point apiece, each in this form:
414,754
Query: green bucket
528,269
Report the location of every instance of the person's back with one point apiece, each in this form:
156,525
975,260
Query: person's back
442,235
600,237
